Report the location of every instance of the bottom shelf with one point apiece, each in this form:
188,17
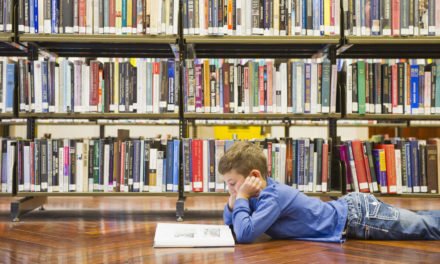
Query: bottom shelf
317,194
70,194
6,194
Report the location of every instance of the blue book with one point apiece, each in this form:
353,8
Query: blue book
55,10
414,88
295,163
375,17
321,17
376,158
36,16
169,166
171,86
31,16
316,15
304,16
44,88
136,165
176,159
10,86
124,16
300,163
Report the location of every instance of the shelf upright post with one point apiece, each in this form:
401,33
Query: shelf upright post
28,203
287,124
183,132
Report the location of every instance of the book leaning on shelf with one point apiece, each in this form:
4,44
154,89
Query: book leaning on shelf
392,86
97,165
7,160
392,166
98,16
261,17
103,86
391,17
259,86
300,163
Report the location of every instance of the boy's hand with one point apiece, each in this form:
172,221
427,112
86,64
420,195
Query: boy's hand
250,188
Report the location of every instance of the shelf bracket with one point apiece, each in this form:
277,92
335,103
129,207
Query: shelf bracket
26,205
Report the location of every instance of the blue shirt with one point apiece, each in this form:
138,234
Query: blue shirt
285,213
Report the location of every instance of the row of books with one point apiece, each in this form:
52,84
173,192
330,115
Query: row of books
108,85
391,166
261,17
391,17
300,163
97,165
390,86
98,16
259,86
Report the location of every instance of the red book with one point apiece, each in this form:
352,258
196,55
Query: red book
112,16
358,155
197,165
324,174
269,159
367,170
390,161
395,16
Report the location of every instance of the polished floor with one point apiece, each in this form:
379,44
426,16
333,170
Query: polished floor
121,230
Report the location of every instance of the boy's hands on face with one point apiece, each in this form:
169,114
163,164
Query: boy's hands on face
251,187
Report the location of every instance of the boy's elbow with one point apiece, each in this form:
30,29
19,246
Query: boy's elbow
244,238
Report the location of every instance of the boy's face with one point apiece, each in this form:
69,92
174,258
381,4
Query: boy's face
233,180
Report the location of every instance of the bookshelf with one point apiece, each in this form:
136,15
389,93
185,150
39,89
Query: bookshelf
182,47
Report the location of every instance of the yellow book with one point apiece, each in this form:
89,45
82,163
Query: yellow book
129,16
327,25
118,13
207,87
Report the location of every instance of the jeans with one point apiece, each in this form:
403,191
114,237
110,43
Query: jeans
370,218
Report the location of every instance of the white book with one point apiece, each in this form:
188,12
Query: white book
10,164
40,14
26,170
85,165
202,29
38,92
96,18
153,166
141,167
299,88
349,85
85,88
90,15
334,81
176,15
398,156
239,17
283,69
193,235
206,183
160,187
314,89
107,168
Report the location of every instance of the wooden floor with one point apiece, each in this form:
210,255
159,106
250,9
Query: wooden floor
121,230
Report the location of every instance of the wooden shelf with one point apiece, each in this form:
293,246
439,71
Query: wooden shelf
395,117
91,194
390,47
6,194
6,37
75,45
258,46
262,116
317,194
6,115
95,116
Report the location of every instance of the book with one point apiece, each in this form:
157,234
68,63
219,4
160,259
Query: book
192,235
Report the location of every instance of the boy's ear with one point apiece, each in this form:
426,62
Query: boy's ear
255,173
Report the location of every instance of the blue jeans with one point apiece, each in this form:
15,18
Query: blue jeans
370,218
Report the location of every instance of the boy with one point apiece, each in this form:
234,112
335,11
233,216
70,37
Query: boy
257,205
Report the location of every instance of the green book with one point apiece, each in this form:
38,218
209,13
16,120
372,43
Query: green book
361,86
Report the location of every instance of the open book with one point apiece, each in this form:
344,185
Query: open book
193,235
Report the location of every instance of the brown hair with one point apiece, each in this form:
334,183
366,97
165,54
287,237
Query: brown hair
243,157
